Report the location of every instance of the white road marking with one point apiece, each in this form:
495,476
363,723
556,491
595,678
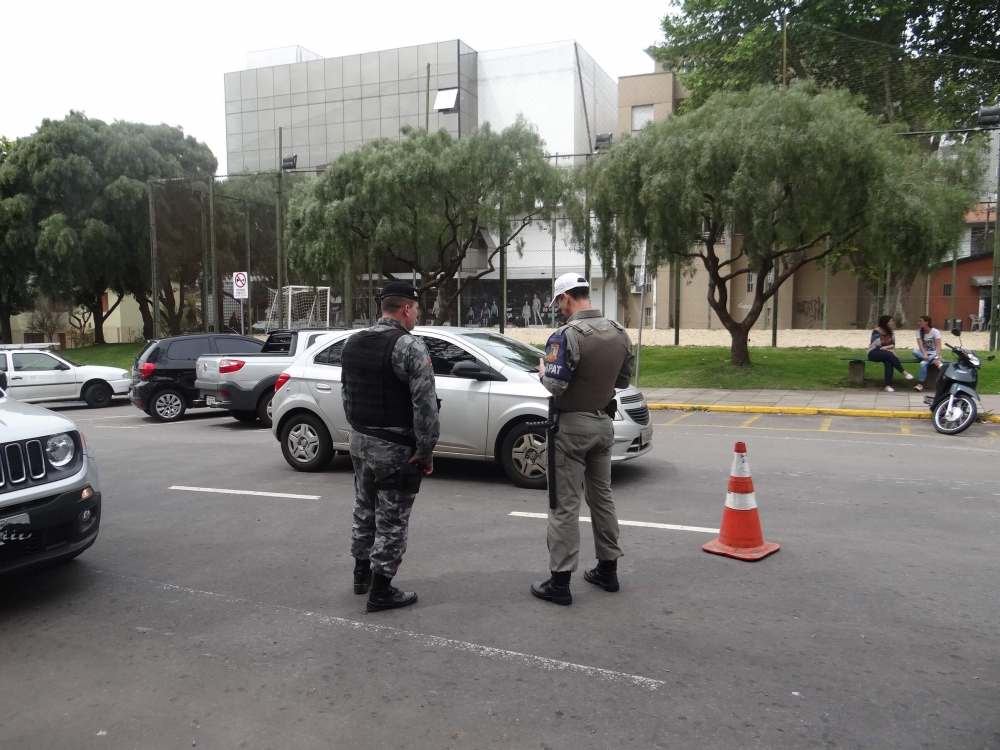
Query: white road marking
244,492
113,427
531,660
645,524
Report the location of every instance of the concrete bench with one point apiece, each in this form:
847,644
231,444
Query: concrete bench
856,370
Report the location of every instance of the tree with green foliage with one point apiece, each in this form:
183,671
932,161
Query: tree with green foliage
929,63
85,182
802,174
17,249
418,205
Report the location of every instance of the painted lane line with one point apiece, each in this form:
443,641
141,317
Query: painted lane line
750,420
244,492
825,427
940,446
644,524
432,641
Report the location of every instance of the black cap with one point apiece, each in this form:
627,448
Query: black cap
399,289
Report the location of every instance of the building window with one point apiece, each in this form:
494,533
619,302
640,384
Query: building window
750,282
641,116
946,291
649,316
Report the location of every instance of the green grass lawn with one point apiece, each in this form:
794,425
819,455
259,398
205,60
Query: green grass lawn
110,355
687,367
781,369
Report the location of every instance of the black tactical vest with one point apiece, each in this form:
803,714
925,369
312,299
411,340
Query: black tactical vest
374,396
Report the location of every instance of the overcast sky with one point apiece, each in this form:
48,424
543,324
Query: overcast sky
163,61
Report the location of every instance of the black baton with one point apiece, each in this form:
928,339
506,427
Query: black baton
551,427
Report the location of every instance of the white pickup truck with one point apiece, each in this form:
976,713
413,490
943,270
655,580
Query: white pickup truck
244,383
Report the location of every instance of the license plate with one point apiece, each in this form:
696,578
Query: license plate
210,400
647,436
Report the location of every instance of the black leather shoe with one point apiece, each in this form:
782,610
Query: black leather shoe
550,591
604,575
362,580
390,598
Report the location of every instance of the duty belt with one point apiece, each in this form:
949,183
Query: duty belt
389,437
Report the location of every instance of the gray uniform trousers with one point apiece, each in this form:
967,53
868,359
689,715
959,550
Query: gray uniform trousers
583,470
381,518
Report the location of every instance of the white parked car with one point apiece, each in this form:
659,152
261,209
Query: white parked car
489,391
35,374
50,495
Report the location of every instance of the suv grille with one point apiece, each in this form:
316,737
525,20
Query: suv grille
36,460
635,397
639,415
24,464
15,463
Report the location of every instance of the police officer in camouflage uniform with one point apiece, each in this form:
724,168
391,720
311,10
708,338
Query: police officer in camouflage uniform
585,360
392,407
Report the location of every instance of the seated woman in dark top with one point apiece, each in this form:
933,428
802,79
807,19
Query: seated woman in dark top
881,349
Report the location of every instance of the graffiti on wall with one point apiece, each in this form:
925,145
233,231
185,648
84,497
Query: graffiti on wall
810,309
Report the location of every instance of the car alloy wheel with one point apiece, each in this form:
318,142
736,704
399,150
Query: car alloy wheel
168,406
303,443
530,455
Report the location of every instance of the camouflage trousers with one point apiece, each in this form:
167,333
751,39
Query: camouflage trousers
381,518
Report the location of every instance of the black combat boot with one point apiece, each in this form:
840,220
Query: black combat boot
362,576
555,590
386,596
604,575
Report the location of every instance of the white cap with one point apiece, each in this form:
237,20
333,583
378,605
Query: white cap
566,282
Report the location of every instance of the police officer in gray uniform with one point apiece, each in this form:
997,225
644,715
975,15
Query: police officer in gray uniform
392,407
585,360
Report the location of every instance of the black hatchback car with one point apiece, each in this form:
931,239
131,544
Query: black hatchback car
163,373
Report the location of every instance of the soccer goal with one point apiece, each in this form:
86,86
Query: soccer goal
303,307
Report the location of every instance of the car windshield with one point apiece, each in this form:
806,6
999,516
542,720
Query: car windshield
507,350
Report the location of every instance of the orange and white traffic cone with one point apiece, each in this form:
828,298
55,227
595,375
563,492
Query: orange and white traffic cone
740,535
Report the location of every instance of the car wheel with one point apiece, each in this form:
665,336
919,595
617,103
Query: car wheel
167,406
98,395
244,416
264,409
306,443
524,456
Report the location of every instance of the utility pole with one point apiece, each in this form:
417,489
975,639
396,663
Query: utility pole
995,294
216,297
954,283
279,300
642,311
503,271
677,302
204,266
784,52
246,231
155,302
427,111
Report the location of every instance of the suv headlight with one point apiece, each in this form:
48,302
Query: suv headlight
60,450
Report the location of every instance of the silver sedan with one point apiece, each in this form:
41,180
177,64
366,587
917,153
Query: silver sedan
490,395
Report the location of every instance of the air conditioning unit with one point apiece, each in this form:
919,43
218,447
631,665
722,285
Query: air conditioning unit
638,288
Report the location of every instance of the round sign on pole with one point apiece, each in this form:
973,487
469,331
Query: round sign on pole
240,285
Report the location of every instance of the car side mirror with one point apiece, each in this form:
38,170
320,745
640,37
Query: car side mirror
3,381
469,370
956,332
61,366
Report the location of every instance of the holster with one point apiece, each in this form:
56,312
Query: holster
405,479
611,409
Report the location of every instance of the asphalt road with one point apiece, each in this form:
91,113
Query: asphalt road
228,620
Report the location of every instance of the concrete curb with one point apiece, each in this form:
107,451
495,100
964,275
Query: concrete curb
803,410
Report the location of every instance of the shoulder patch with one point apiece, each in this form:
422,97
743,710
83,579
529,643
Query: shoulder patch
555,357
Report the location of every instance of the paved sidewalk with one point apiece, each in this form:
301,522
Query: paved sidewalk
905,399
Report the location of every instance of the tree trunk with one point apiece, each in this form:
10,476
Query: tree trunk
900,297
6,332
740,350
147,318
98,314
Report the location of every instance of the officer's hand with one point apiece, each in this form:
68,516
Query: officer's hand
428,468
541,367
